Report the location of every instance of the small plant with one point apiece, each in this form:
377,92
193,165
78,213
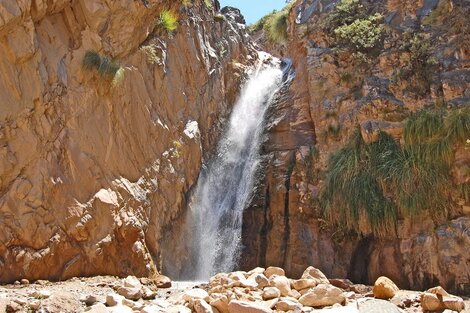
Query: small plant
208,4
107,68
259,25
437,16
168,21
186,3
219,17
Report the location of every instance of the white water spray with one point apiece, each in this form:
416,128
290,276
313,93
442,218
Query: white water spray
225,185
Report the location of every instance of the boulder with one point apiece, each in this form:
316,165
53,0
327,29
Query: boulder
220,302
130,293
282,283
113,299
304,283
294,294
196,293
257,270
314,273
272,270
271,293
384,288
261,280
236,306
341,283
286,305
437,299
322,295
161,281
132,282
201,306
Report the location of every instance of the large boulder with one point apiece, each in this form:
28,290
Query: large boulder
384,288
322,295
437,299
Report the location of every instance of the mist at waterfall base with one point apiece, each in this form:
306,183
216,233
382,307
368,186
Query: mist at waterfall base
225,184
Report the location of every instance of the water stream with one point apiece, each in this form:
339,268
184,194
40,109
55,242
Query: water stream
226,182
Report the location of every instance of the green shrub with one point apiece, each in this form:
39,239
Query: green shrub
344,13
362,34
168,21
438,15
219,17
276,27
423,125
107,68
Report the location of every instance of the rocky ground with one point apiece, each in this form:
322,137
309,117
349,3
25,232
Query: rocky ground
257,291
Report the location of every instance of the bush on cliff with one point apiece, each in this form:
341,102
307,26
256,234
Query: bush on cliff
167,21
106,67
367,186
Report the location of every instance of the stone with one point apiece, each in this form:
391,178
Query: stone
196,293
294,294
273,270
304,283
98,308
130,293
41,294
280,282
35,304
120,309
315,274
24,281
201,306
13,306
236,306
89,300
261,280
162,281
384,288
286,304
178,309
113,299
431,302
132,282
257,270
322,295
219,301
271,293
341,283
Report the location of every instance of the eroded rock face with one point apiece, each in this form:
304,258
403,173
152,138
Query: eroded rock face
315,117
91,172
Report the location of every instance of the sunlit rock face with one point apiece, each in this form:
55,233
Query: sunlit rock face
333,92
92,169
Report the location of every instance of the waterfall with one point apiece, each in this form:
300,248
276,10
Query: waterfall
226,182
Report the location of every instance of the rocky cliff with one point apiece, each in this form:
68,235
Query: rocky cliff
107,109
366,157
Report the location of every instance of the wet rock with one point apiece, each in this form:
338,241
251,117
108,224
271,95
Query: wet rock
384,288
322,295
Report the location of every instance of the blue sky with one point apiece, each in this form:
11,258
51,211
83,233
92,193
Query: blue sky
253,10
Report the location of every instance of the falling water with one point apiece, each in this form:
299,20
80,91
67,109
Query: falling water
225,184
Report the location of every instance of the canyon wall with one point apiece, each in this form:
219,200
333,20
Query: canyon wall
92,167
337,91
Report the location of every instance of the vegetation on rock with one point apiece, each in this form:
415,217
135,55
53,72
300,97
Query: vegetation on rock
168,21
106,67
274,25
368,186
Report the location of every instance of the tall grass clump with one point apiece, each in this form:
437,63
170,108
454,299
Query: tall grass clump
276,27
368,185
168,21
106,67
208,4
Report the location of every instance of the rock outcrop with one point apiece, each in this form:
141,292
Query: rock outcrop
105,118
418,59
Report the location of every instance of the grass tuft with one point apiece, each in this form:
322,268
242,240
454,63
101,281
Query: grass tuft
91,60
457,125
106,67
276,27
